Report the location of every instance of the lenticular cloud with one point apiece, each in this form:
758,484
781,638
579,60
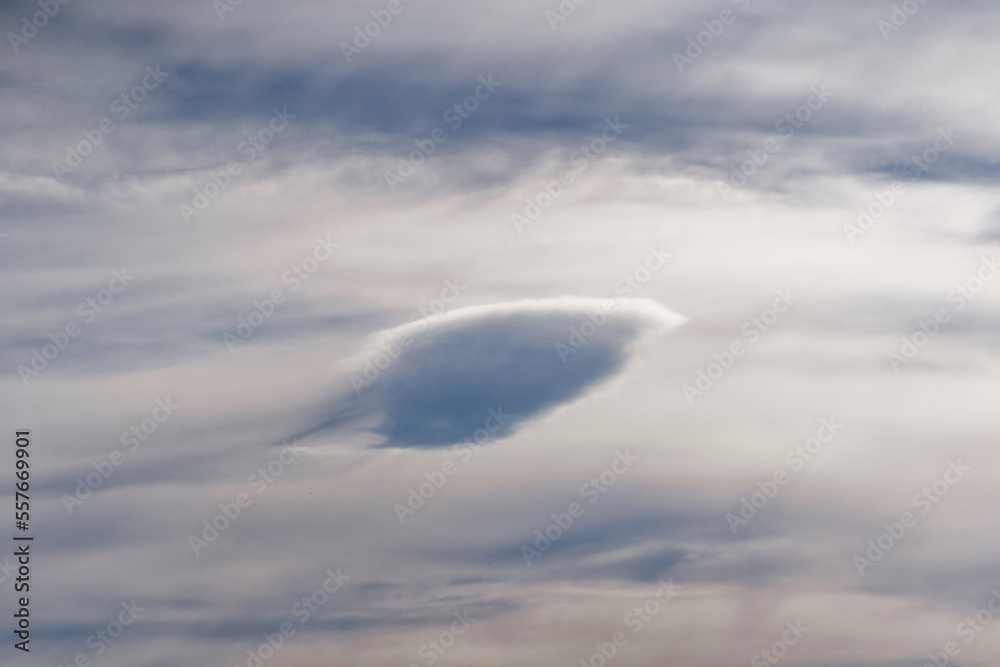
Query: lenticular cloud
434,382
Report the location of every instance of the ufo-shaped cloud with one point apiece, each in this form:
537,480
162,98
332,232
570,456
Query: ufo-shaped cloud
437,381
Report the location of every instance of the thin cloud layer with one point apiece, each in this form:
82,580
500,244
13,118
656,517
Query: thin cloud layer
803,147
438,381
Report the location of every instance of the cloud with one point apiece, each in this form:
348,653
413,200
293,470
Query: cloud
451,374
687,131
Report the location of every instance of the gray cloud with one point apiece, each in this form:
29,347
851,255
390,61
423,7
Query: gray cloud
455,371
686,131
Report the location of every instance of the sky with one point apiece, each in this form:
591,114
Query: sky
415,332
